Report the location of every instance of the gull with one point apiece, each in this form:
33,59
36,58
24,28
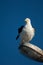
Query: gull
27,32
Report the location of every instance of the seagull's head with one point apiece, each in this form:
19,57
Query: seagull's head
27,20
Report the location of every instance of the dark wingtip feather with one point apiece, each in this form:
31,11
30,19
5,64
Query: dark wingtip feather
17,37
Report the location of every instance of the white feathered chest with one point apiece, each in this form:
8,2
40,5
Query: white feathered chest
27,33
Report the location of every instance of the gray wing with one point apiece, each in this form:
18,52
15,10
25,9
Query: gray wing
19,31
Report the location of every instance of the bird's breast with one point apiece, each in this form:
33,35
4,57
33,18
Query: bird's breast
27,34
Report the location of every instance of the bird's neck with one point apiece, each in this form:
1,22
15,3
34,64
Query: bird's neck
29,25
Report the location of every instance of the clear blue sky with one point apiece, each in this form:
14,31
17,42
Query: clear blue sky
12,15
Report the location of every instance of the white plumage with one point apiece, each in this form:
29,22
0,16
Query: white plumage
27,32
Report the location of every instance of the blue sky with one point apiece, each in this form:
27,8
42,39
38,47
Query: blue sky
12,15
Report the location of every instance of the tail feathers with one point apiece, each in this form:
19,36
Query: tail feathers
17,37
